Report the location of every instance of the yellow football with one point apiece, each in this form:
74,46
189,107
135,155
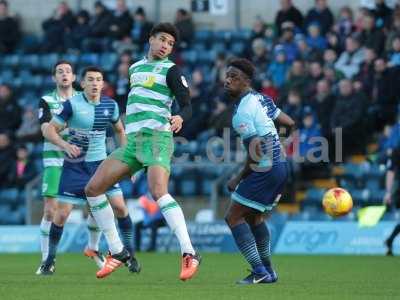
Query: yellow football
337,202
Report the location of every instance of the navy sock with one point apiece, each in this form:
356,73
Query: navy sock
395,232
126,231
245,241
263,241
54,238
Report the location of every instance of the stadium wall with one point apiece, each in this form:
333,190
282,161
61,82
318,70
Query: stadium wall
292,237
33,12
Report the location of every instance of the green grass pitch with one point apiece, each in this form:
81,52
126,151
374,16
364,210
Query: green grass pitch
300,277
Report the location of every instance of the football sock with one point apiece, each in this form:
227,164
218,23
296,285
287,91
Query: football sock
44,237
104,216
54,238
175,219
94,233
126,230
395,232
263,242
247,245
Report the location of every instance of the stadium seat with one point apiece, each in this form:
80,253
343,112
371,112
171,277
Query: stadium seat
7,76
237,48
47,61
188,187
29,43
9,196
12,61
223,36
314,196
108,61
203,35
189,56
241,35
89,59
72,58
127,188
30,61
219,47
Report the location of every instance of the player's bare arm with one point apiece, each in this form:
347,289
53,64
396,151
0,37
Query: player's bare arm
51,132
119,131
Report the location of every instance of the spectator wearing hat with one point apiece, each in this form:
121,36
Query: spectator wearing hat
279,67
314,39
288,43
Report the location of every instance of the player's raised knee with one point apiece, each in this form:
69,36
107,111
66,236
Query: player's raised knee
91,190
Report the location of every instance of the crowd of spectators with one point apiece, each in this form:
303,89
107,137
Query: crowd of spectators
325,69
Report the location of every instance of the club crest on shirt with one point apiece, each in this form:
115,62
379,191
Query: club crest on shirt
157,69
106,112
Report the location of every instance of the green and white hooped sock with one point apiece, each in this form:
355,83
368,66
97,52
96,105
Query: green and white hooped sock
94,233
104,216
175,219
44,238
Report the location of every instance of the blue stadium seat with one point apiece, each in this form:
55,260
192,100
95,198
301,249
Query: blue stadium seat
237,48
29,43
108,61
188,187
360,196
203,35
171,186
48,83
30,61
198,46
206,186
88,59
223,36
12,61
5,211
207,56
241,35
72,58
189,56
47,61
6,76
314,196
127,188
219,47
9,196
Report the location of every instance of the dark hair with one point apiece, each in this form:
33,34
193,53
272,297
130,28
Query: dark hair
62,62
243,65
166,28
91,69
4,2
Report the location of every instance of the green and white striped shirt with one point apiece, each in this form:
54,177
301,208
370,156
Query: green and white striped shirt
51,104
150,98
